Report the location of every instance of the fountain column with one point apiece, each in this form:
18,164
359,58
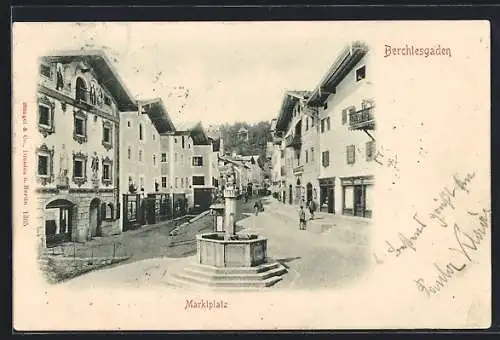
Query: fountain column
230,206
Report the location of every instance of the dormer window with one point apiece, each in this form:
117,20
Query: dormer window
360,73
81,90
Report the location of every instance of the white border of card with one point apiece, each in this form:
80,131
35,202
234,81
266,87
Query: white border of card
426,259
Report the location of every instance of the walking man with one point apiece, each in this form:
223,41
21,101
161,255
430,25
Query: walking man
312,208
302,218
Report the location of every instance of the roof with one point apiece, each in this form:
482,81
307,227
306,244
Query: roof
344,63
106,71
215,144
158,114
290,98
195,130
238,163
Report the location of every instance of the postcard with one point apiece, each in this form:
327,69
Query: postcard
251,175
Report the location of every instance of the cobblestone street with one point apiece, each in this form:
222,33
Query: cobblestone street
314,259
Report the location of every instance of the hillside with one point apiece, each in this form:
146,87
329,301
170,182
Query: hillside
258,135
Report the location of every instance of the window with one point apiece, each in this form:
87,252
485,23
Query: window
163,157
175,157
325,158
197,161
140,155
164,182
45,70
322,125
175,140
154,160
107,100
307,156
307,123
154,136
43,115
183,142
370,150
198,180
129,153
313,121
182,158
141,182
182,182
176,182
78,169
46,116
360,73
107,135
43,165
351,154
140,132
129,124
344,116
80,128
312,154
187,182
282,153
81,90
328,123
325,106
107,169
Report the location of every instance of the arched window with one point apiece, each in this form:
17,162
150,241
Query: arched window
140,132
81,90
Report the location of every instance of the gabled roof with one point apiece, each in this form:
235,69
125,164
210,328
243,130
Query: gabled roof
290,98
344,63
158,114
107,73
196,131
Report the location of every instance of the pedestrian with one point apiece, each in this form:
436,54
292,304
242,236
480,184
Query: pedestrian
256,208
302,218
312,208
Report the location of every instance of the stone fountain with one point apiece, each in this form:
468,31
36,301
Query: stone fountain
228,259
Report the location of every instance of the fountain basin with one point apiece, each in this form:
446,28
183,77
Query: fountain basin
245,250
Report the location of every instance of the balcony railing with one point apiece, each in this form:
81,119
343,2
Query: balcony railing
363,119
293,141
298,169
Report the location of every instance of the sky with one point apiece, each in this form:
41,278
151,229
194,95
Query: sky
211,72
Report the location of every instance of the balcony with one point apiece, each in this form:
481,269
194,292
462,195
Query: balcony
298,169
363,119
293,141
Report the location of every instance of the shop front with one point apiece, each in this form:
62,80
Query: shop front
327,195
357,196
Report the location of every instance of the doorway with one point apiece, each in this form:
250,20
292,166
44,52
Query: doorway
94,218
309,192
359,200
58,222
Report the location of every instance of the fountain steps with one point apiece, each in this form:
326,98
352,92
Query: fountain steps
252,277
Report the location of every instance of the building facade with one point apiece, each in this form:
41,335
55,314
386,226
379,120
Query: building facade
345,104
140,157
297,131
80,97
